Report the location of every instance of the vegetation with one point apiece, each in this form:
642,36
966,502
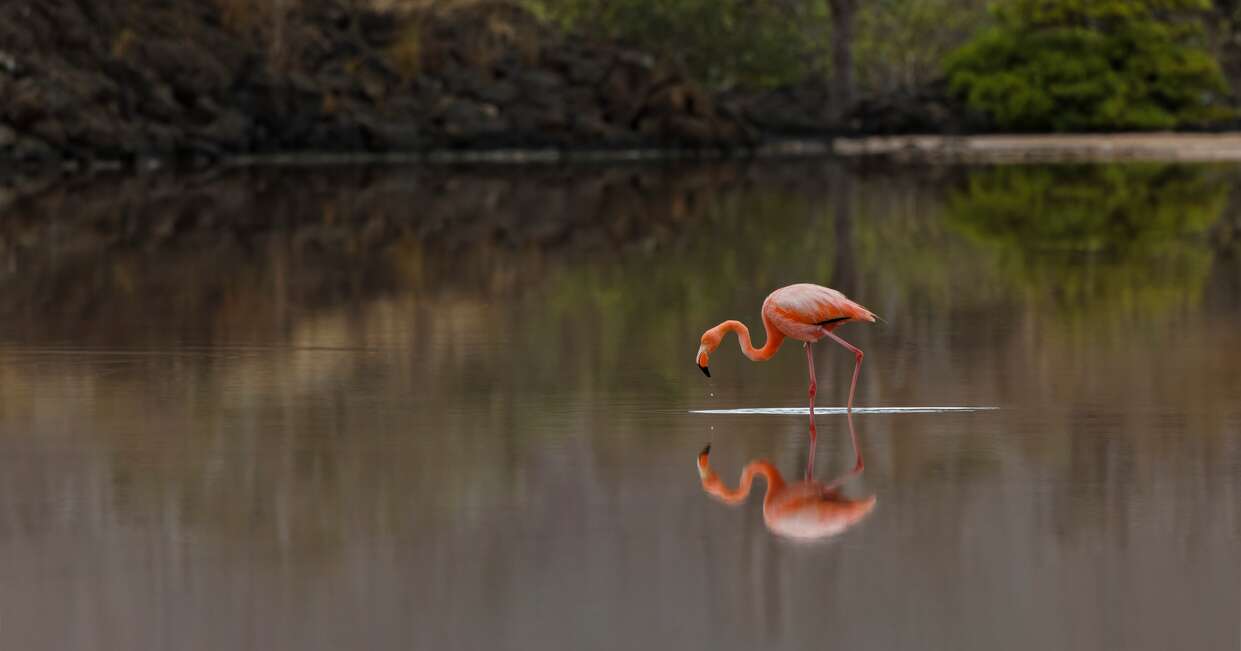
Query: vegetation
722,42
1068,65
1029,65
1033,65
900,45
886,43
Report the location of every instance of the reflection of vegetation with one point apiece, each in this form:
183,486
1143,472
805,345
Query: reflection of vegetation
657,300
456,322
1125,236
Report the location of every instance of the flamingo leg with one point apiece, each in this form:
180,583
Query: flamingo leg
857,469
814,434
814,387
810,456
857,366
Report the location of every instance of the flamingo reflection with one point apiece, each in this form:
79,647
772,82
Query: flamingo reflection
805,509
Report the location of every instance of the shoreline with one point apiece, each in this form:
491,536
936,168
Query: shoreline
1171,147
1168,146
497,156
920,148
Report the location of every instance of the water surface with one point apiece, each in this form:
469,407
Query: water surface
442,408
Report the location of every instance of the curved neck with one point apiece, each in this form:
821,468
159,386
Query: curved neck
774,338
775,483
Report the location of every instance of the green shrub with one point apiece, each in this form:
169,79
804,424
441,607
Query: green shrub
1065,65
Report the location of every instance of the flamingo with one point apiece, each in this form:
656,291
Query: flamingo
804,312
805,509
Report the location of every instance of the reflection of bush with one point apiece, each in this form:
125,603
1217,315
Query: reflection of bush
1091,238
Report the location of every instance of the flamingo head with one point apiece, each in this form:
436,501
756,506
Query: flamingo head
710,341
704,469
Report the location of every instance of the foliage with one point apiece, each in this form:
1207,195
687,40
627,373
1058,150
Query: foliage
1070,64
898,44
901,44
721,42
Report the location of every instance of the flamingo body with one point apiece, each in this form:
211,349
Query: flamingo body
804,312
807,312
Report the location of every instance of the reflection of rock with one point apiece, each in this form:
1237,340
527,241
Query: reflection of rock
226,243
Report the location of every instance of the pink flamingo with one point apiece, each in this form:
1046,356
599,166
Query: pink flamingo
805,509
804,312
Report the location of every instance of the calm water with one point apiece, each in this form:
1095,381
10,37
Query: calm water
449,409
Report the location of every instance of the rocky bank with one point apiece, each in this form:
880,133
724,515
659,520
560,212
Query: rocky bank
84,80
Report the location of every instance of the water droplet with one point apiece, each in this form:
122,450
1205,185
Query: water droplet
712,395
713,428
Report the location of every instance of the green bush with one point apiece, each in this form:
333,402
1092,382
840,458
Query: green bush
1065,65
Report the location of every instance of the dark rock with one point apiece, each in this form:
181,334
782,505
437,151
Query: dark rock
678,97
335,79
230,130
33,150
500,92
459,116
928,109
577,99
639,60
652,127
586,70
161,102
526,119
374,84
396,136
50,130
109,134
185,65
536,81
790,111
687,129
158,139
378,29
153,77
26,102
303,83
8,64
593,127
460,79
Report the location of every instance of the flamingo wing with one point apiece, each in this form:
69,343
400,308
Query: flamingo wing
802,311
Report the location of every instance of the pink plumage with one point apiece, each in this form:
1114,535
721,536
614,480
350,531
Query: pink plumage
804,312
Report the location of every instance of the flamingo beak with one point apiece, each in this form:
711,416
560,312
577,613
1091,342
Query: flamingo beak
705,371
704,470
701,360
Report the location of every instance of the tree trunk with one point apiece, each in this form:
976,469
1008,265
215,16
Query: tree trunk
843,13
